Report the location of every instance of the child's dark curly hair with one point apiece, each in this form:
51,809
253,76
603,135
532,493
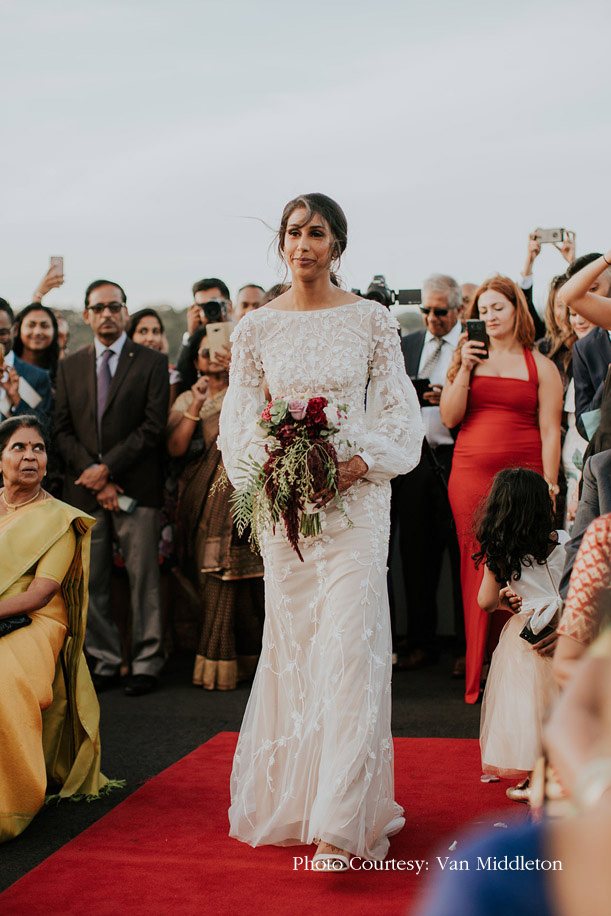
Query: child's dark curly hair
515,524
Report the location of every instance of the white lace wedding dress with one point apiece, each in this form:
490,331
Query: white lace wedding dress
314,756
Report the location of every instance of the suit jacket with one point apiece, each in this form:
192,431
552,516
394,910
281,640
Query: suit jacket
591,358
133,423
40,381
412,346
595,501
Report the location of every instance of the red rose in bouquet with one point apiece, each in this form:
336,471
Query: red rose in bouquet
316,412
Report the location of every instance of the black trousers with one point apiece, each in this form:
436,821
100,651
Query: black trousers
421,512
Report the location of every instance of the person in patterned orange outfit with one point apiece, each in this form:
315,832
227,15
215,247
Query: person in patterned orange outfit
588,606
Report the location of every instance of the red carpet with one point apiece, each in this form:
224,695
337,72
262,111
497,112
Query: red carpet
165,851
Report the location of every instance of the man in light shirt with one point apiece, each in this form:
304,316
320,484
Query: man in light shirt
426,527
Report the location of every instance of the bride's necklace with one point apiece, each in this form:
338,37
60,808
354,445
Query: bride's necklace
19,505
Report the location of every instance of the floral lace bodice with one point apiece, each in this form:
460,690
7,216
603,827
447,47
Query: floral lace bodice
351,354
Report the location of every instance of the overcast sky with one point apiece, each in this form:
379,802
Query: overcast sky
151,142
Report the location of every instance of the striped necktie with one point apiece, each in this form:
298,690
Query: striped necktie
432,359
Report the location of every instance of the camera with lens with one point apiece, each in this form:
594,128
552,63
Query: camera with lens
379,291
215,311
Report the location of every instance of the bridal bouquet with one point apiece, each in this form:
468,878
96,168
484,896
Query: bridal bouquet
301,460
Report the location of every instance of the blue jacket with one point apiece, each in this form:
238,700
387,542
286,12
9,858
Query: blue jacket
591,358
40,381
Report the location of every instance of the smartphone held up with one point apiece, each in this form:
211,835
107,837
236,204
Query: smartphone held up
476,331
550,236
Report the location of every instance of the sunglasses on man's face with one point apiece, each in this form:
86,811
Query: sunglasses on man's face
438,313
113,307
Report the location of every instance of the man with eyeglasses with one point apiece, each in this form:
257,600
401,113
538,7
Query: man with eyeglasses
23,388
110,417
420,498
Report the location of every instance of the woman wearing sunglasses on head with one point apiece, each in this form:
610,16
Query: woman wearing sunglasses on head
508,399
220,564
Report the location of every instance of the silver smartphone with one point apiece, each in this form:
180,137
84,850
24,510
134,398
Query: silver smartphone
126,503
550,236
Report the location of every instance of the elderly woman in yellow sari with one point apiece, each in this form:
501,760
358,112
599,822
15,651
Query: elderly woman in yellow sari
49,715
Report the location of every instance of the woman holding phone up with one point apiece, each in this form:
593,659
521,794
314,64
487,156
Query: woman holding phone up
509,405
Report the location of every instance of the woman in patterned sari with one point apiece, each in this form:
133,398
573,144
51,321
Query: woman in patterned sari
225,572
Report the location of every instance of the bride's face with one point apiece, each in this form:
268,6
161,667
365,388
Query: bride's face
308,247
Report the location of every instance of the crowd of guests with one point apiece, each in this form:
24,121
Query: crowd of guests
134,436
532,399
132,443
516,428
516,469
528,488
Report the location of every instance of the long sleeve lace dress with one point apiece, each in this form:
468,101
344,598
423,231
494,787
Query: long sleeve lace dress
314,756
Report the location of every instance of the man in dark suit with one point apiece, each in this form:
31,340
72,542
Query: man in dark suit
591,358
420,498
110,418
595,501
591,354
23,388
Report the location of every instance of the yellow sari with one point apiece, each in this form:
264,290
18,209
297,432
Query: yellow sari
49,713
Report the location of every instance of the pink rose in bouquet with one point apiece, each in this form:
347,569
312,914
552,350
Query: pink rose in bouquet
298,407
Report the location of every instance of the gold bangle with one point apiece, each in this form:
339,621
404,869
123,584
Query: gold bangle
190,416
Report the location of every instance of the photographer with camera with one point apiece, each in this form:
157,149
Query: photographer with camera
420,498
211,305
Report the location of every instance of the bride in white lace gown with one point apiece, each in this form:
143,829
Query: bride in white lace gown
314,757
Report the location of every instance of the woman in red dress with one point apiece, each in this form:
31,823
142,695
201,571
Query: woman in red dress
509,407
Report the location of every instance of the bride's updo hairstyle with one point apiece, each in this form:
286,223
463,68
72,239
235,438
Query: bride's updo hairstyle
317,205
